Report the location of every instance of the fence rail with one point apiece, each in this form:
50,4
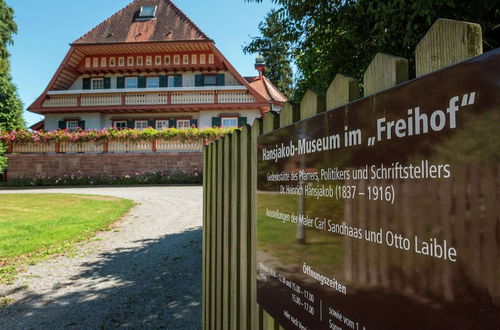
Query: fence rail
144,146
230,167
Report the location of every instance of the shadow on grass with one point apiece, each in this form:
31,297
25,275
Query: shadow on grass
155,284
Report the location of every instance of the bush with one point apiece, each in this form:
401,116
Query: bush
132,179
3,160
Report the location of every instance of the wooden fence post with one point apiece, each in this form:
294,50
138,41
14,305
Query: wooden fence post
342,90
220,230
206,237
312,103
383,72
447,42
290,113
226,245
235,200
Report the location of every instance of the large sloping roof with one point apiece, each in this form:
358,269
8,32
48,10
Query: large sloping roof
170,24
267,89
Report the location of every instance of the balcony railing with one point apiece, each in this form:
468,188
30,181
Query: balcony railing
126,146
121,98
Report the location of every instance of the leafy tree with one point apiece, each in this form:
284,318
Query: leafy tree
274,47
342,36
11,107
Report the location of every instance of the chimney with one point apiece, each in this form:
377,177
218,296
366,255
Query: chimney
260,65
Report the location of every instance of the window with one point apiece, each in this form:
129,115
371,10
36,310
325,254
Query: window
141,124
227,122
71,125
162,124
97,83
95,62
210,58
167,60
153,82
112,61
183,123
177,59
193,59
185,59
131,82
149,60
147,12
87,62
139,60
130,61
120,124
202,59
121,61
171,81
104,61
209,80
157,60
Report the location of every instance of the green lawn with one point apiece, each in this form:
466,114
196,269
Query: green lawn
33,226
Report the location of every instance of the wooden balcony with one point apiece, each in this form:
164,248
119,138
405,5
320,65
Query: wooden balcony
109,98
127,146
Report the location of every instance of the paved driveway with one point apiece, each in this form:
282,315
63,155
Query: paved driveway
144,274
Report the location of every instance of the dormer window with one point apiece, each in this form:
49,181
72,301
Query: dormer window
146,13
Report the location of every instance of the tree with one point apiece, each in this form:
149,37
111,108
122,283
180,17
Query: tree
273,45
342,36
11,107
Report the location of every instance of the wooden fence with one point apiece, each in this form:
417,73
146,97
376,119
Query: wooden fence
229,269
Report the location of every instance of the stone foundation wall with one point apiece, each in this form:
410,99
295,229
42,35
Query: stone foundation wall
102,165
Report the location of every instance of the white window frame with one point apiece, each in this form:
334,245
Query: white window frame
121,122
140,124
121,61
209,76
185,59
88,62
130,61
194,58
211,59
222,119
112,61
162,124
177,59
170,81
139,61
95,62
157,60
149,79
183,123
72,124
97,80
127,79
149,60
104,62
167,59
202,59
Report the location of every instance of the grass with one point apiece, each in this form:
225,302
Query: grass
35,226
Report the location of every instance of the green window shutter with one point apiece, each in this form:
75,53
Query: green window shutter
141,82
178,80
193,123
242,121
86,83
163,81
61,124
171,123
130,123
120,82
151,123
81,124
220,79
107,83
198,80
216,122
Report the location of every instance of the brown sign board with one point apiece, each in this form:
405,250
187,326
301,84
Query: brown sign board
384,213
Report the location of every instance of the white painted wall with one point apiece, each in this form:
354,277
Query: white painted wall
187,79
92,120
205,119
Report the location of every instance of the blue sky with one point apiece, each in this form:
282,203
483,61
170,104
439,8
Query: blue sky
47,27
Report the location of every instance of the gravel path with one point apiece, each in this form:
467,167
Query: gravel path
145,274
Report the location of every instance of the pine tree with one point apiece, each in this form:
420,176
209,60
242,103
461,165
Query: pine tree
11,108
